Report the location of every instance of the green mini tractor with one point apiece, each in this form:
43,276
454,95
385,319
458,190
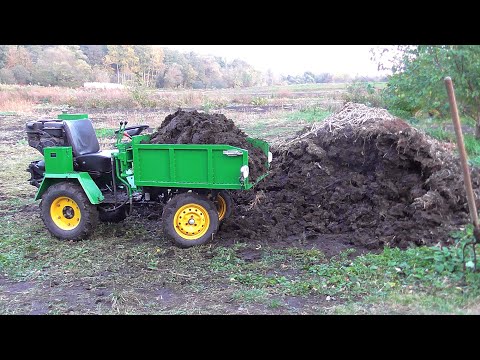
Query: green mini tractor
79,184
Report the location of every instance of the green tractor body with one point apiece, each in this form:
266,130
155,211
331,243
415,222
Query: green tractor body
136,172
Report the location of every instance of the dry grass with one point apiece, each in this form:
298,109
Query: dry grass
25,99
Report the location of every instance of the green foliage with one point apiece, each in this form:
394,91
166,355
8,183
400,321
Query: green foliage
3,55
140,95
7,76
433,270
472,145
62,66
364,93
452,259
105,133
417,83
440,134
22,75
309,114
208,105
250,295
94,53
259,101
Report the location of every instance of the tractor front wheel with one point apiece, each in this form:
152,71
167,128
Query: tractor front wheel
190,219
67,213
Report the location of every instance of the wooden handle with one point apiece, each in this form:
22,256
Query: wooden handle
461,149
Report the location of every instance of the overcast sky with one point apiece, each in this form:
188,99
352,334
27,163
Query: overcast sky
294,59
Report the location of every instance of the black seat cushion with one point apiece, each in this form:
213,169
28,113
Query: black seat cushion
81,136
96,162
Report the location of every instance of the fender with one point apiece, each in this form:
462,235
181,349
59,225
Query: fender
86,182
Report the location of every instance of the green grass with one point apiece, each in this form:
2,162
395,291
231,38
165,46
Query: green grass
440,134
436,128
18,258
472,145
426,278
309,115
105,133
250,295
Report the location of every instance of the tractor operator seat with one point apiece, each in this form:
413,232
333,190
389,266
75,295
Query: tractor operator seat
85,147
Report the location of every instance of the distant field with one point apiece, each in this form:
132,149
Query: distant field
14,98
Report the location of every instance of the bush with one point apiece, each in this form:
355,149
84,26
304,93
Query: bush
364,93
7,76
22,75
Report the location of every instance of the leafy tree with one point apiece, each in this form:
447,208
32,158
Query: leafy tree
150,63
35,51
113,58
418,74
124,60
173,76
323,78
19,55
3,55
101,73
23,75
241,74
144,54
7,76
62,66
308,77
70,65
94,53
189,75
270,78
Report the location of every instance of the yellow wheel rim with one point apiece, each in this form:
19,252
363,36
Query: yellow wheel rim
191,221
221,207
65,213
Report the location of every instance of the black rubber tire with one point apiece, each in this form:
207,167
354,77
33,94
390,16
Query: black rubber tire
88,211
225,195
180,200
115,216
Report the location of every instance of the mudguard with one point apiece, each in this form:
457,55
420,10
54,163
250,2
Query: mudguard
86,182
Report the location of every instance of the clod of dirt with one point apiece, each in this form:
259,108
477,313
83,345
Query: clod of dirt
192,127
361,172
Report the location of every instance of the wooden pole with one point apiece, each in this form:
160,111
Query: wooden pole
463,155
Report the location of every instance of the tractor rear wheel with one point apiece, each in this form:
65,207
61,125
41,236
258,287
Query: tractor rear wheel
190,219
225,204
67,213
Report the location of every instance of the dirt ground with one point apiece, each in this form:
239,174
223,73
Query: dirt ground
332,187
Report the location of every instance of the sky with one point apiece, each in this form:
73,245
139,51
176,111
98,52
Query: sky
295,59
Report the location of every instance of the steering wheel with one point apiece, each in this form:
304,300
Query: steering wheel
133,130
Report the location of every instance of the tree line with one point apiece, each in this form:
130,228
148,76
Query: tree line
151,66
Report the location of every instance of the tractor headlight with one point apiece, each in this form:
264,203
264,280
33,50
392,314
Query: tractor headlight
270,157
245,171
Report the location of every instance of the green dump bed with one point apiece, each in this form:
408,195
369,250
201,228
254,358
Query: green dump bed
191,166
